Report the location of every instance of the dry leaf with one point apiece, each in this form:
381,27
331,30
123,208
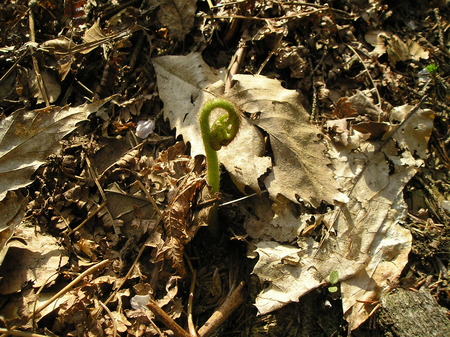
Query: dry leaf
51,85
27,138
178,16
300,169
414,131
377,38
183,78
92,36
36,257
396,48
364,243
12,210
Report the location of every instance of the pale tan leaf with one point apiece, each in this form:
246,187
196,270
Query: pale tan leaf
94,35
36,257
27,138
416,51
362,240
377,38
397,50
300,169
415,131
12,209
181,80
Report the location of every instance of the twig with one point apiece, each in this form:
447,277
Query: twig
224,311
368,74
439,26
113,320
125,278
89,217
272,52
20,333
242,198
149,197
320,7
94,174
167,320
191,324
31,47
71,285
235,65
10,70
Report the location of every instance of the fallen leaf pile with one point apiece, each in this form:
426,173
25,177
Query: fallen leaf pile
340,164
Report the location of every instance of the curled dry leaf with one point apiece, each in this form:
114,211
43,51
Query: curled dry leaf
395,47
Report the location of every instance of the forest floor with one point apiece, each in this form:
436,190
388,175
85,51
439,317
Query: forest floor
103,185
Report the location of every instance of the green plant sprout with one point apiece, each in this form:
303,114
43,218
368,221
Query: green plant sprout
431,68
220,133
334,279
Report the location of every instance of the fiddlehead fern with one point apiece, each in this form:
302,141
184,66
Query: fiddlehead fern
222,131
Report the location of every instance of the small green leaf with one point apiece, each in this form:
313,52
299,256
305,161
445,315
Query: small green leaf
334,277
431,68
333,289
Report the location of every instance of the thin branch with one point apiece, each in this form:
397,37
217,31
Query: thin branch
20,333
72,284
167,320
223,313
368,74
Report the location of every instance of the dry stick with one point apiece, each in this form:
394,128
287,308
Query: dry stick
225,310
89,217
191,324
125,278
272,52
368,74
94,174
439,26
113,320
122,282
149,197
10,70
39,78
235,65
20,333
71,285
167,320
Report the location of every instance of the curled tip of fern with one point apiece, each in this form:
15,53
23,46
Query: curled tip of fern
221,133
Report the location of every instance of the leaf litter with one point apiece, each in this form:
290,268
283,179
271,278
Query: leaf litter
339,129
